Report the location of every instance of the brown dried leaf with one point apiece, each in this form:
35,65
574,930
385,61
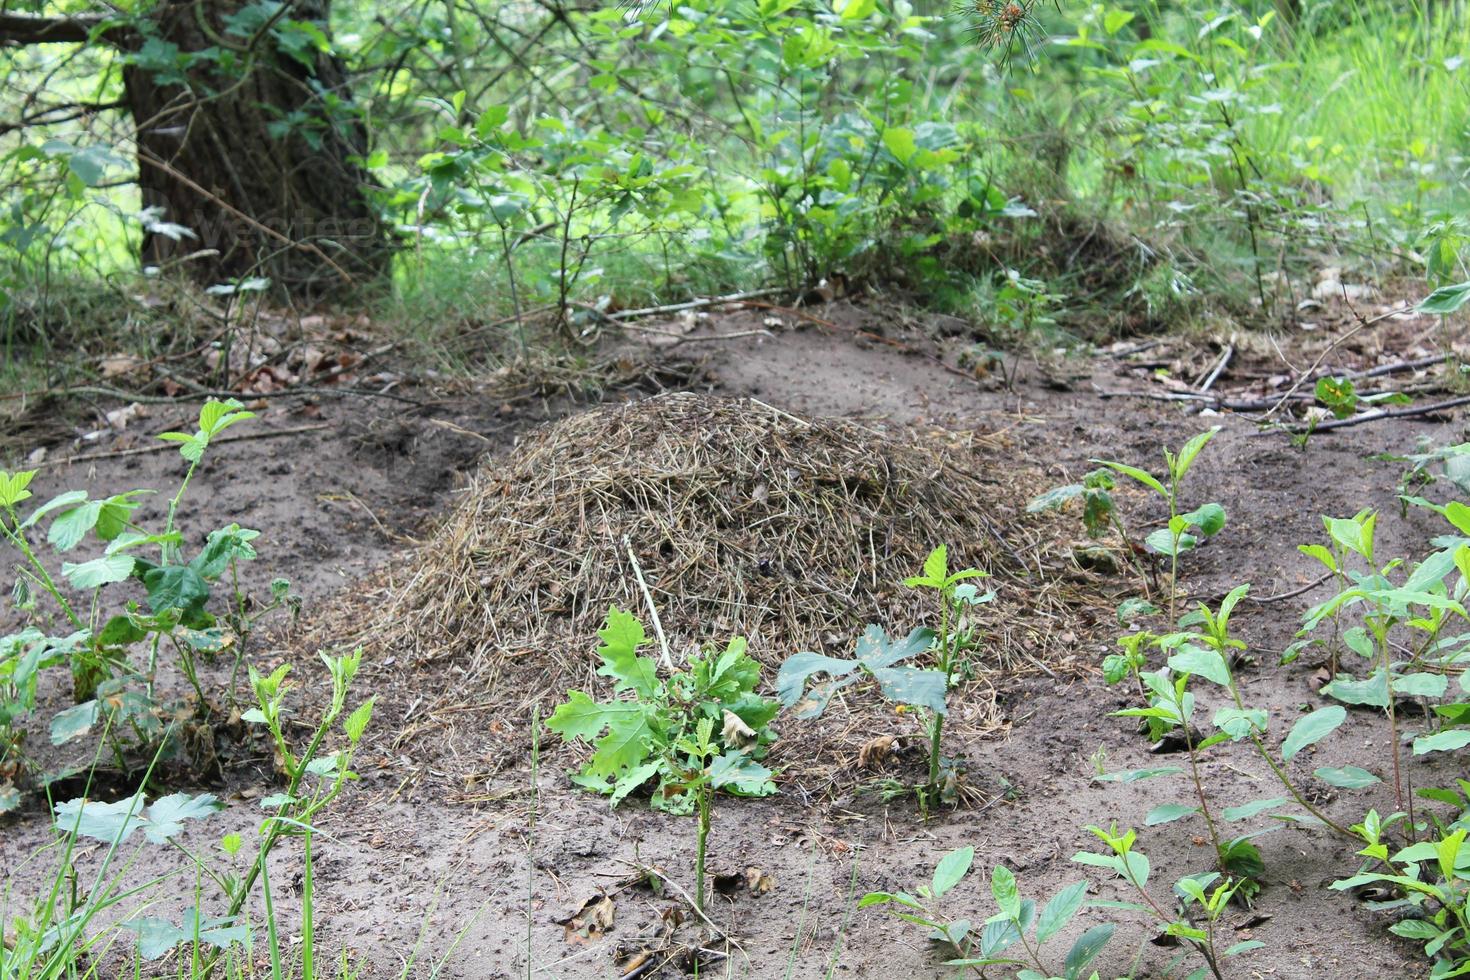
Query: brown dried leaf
588,923
736,733
875,751
758,881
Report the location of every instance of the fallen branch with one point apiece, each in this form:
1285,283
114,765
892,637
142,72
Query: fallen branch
1378,416
146,450
1220,366
694,304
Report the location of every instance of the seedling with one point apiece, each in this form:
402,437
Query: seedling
1200,899
1015,924
878,658
111,692
691,734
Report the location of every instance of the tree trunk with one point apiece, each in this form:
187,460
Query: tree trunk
253,145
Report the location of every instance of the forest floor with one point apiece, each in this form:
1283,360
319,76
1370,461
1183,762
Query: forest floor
433,856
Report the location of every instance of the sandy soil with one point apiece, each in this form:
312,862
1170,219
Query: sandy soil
417,866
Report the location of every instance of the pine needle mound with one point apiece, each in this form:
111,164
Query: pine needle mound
740,518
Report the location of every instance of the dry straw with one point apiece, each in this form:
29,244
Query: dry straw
742,520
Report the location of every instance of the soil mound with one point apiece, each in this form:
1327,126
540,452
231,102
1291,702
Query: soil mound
740,518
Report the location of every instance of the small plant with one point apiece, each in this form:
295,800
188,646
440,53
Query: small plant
1182,533
1433,878
879,658
690,734
54,935
112,689
1015,924
1193,914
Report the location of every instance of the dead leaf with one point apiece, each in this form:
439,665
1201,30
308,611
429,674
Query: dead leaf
119,365
588,923
736,733
758,881
875,751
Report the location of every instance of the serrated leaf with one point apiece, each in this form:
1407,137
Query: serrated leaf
632,779
621,637
98,572
165,818
734,772
71,525
913,686
357,722
67,499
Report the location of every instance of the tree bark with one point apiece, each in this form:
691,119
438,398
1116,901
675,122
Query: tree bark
259,162
252,147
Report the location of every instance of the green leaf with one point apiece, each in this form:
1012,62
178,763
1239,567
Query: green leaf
165,818
98,572
68,529
952,869
734,772
1415,929
1190,450
67,499
1241,723
900,142
13,488
792,676
1446,741
1247,810
1086,949
1371,691
73,722
116,822
1135,608
1135,775
1210,519
621,637
1421,685
158,937
1168,813
1133,472
1311,729
1003,887
1055,498
913,686
1201,662
625,744
1060,910
223,546
357,722
174,587
579,717
632,779
1445,300
1348,777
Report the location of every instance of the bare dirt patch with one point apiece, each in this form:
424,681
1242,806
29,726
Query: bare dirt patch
437,836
